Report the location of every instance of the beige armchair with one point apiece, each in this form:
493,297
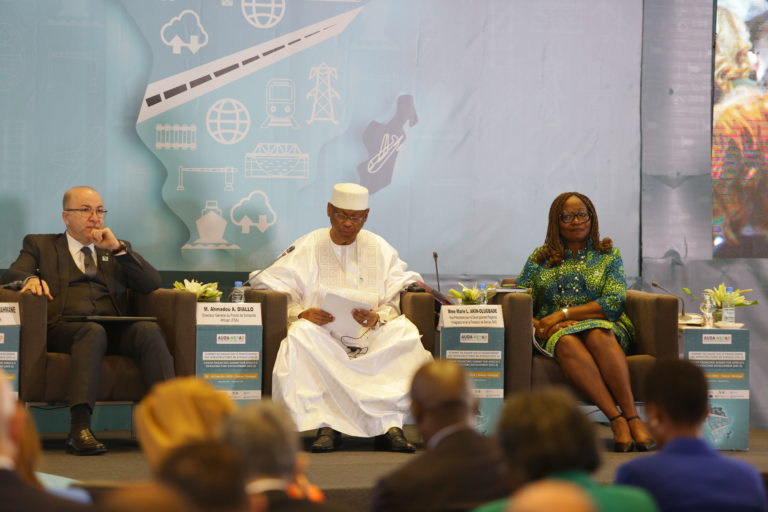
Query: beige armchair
43,375
418,307
655,319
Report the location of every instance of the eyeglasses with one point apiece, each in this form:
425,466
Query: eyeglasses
341,217
567,217
88,211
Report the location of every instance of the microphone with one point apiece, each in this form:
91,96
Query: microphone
437,272
287,251
682,317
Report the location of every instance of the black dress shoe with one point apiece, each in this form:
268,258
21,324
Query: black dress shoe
82,442
327,440
393,441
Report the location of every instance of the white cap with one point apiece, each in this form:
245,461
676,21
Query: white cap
349,196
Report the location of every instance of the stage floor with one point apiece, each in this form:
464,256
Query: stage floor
346,476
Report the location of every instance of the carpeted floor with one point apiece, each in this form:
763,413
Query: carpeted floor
346,476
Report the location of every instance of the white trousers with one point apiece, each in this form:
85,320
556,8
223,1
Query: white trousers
321,386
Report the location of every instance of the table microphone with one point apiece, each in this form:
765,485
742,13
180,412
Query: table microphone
437,272
287,251
683,317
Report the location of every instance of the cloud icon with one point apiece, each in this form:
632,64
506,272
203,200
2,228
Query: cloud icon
184,31
255,206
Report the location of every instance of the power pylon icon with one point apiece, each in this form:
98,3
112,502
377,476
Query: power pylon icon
323,94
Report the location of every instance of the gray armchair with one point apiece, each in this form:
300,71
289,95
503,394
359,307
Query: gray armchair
655,319
418,307
43,375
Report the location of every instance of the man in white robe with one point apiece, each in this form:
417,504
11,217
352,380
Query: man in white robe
355,384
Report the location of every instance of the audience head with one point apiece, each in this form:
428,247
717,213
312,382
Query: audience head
544,432
144,497
265,437
29,449
179,411
11,422
441,395
551,495
676,399
209,474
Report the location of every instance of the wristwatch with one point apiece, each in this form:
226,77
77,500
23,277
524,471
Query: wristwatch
120,249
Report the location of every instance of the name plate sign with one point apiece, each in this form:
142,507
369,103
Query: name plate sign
473,336
9,342
723,354
229,348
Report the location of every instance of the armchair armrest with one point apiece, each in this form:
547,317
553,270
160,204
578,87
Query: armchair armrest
33,312
657,314
517,311
419,308
274,320
176,312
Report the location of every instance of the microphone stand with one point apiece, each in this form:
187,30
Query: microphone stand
287,251
682,317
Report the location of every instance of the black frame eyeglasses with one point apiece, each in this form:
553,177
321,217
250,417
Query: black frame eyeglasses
87,211
581,217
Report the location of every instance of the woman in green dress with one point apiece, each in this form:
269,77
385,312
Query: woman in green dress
578,288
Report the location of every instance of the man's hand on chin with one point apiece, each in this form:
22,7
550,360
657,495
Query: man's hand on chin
105,239
316,316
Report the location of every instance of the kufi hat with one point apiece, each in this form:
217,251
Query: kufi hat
349,196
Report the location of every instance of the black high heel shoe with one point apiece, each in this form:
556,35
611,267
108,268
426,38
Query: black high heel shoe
645,446
618,446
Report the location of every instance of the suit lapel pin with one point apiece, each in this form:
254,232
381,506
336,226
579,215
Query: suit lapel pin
104,257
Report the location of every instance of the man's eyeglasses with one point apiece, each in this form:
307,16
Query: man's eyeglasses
87,211
341,217
567,217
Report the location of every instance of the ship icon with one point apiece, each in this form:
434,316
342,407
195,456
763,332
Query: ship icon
210,228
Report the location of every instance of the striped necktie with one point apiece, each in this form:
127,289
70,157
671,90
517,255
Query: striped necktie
90,266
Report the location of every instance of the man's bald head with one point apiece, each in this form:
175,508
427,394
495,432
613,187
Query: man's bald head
547,495
443,390
69,194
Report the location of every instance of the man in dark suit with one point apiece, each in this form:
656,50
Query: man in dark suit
265,437
461,468
17,496
88,271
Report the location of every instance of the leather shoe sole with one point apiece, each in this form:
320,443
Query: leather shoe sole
393,441
327,440
84,443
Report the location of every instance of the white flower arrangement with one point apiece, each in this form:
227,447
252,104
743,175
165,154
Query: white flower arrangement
204,292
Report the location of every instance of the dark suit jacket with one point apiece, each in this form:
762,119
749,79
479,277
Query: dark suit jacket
50,254
19,497
463,471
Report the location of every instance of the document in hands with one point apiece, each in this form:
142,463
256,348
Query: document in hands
344,326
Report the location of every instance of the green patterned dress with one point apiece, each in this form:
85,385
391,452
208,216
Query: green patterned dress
590,277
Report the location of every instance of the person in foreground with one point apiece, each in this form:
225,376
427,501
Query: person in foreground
578,288
544,435
687,474
266,439
178,412
209,474
88,271
17,495
461,468
353,384
551,496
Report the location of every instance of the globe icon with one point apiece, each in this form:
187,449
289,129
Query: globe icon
228,121
263,13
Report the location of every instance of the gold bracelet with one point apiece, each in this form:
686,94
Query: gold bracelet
565,312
